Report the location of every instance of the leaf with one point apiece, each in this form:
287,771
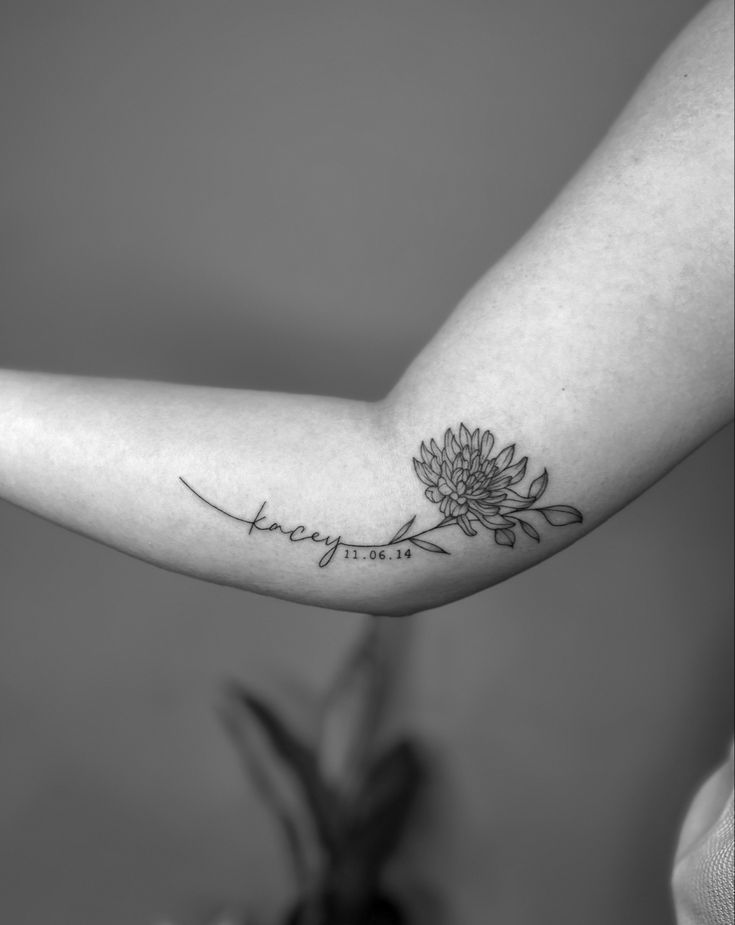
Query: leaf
354,706
561,514
505,537
383,807
302,762
538,486
529,530
278,789
403,531
429,547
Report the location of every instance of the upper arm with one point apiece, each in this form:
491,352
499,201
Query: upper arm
601,345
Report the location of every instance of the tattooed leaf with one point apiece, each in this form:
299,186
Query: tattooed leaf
538,486
529,530
429,547
403,531
505,537
561,514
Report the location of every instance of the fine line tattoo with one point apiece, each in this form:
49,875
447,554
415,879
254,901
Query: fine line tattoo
473,489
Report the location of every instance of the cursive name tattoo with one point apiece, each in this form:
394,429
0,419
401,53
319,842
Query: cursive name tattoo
474,490
259,521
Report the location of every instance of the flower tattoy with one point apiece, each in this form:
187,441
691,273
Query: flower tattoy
472,487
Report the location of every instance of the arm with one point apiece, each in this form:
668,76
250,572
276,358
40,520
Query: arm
599,346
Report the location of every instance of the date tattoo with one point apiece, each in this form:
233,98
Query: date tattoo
474,490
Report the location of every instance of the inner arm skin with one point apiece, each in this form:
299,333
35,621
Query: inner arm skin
600,345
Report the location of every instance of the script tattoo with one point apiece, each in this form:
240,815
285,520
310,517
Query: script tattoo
473,489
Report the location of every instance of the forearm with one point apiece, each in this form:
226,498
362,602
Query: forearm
298,497
107,458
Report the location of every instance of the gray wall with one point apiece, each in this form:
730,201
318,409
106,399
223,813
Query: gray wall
293,196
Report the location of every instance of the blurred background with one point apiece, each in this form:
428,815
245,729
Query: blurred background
294,196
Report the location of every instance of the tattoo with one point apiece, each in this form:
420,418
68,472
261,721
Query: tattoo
472,487
296,534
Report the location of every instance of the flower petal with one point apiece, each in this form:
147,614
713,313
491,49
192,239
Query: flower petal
517,471
426,455
509,493
466,526
513,504
478,492
505,456
485,507
486,444
494,522
422,472
538,486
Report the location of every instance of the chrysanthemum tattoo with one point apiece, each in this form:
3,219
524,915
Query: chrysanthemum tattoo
474,490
